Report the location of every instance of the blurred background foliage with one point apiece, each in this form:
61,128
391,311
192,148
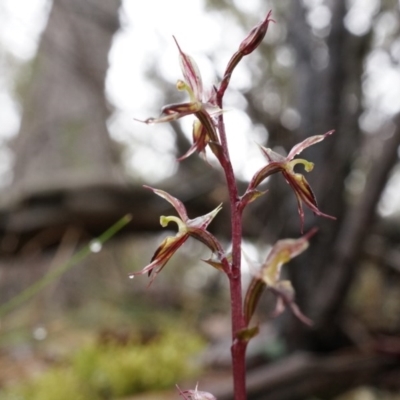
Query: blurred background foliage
116,366
74,73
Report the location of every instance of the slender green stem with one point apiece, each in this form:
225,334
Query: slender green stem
32,290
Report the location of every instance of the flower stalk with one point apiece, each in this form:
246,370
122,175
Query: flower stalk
209,133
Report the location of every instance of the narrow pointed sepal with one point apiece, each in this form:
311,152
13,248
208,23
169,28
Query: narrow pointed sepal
176,203
172,112
203,221
298,148
216,263
191,72
285,298
250,196
220,261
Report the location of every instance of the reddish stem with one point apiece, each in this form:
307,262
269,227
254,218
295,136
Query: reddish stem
238,349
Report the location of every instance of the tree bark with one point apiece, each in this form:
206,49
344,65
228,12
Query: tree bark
63,139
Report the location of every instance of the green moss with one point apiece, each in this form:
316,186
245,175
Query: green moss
110,370
58,383
114,370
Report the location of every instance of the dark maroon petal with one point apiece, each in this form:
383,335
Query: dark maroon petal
264,173
206,238
208,124
181,108
172,112
161,256
200,140
304,194
168,247
300,185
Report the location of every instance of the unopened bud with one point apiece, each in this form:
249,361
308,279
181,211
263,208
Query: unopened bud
255,37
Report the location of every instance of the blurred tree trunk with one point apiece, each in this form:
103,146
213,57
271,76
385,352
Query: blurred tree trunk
63,138
67,170
328,79
64,157
328,97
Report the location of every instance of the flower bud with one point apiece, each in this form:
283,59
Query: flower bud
255,37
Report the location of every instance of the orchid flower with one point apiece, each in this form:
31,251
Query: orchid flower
269,277
285,165
202,106
186,228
